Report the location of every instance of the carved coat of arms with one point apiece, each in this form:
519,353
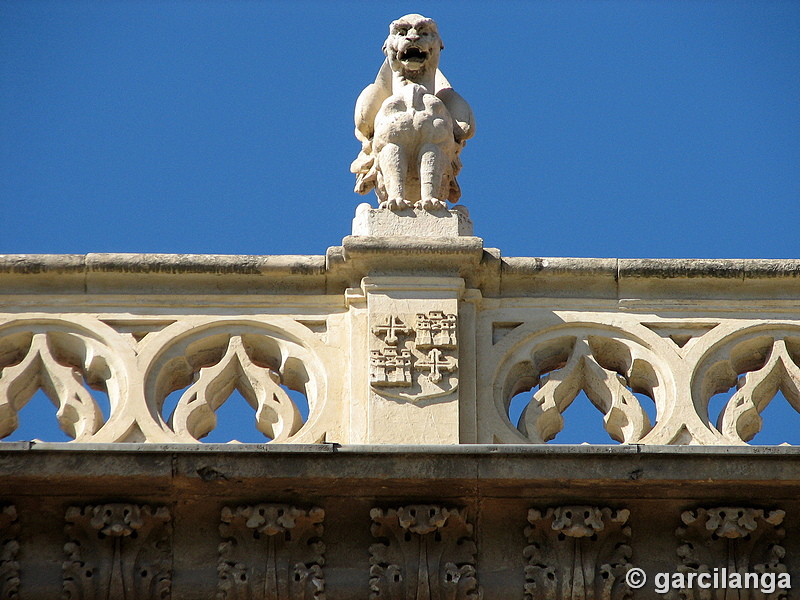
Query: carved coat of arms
413,357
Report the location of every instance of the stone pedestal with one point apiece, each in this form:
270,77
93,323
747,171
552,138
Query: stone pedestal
416,222
412,356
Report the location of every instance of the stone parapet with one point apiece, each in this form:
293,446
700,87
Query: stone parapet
398,339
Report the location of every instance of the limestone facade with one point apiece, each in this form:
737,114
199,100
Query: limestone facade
407,478
386,378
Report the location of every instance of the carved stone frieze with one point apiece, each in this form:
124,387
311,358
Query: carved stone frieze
9,547
577,553
730,542
424,552
271,552
413,363
117,551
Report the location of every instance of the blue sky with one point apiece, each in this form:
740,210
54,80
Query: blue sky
612,129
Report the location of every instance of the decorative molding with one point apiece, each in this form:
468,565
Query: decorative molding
276,415
118,551
9,548
271,552
624,362
607,369
577,553
59,364
681,332
414,363
730,541
758,367
424,552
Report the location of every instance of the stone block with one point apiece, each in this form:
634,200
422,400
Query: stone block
415,222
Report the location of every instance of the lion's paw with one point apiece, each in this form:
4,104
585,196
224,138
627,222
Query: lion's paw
431,204
396,204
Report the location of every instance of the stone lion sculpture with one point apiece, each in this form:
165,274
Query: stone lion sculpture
411,123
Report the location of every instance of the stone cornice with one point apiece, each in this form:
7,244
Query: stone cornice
344,266
337,469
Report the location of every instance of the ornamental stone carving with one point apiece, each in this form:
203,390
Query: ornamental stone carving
118,551
414,363
276,415
411,123
560,365
577,553
350,349
132,365
271,552
424,552
757,364
729,542
9,549
265,361
62,365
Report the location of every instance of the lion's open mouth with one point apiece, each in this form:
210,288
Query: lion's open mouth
413,54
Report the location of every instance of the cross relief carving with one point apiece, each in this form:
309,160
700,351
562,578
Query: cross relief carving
390,328
416,362
437,364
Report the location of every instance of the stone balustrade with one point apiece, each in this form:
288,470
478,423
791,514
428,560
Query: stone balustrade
397,340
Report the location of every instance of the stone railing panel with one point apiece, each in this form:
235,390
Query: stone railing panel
139,361
679,363
399,340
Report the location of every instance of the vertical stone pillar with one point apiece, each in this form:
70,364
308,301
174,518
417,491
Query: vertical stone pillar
413,359
412,325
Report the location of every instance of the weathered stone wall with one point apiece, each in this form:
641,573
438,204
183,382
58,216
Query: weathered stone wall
494,518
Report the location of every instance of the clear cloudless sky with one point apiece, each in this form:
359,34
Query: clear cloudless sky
667,129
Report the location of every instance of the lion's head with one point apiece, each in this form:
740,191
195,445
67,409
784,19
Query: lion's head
413,46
